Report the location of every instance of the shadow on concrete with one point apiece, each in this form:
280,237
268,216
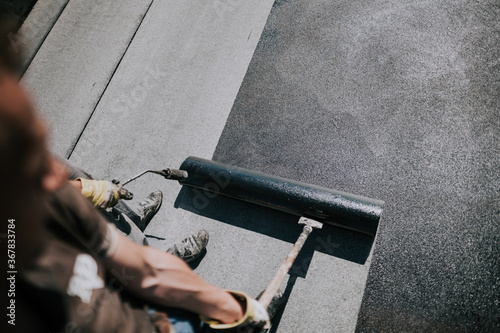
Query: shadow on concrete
341,243
344,244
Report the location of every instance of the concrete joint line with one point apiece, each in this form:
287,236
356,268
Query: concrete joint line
72,149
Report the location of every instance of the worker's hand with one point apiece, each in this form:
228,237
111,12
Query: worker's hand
102,193
254,319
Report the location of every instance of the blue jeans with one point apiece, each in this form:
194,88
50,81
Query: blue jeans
184,321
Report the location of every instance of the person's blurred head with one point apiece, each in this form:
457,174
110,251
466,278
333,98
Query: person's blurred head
25,169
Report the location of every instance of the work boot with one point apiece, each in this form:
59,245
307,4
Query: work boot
148,208
190,248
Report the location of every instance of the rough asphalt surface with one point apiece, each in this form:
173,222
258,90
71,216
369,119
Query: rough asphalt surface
398,101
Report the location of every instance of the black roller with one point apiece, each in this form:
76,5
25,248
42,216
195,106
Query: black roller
337,208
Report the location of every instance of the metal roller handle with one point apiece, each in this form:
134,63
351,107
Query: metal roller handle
173,174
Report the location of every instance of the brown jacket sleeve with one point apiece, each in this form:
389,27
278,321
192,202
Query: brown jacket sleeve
73,216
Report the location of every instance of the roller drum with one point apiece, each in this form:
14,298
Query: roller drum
337,208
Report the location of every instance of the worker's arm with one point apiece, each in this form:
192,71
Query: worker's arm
164,279
76,184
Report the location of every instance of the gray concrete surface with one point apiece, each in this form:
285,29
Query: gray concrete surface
392,100
76,61
37,26
172,93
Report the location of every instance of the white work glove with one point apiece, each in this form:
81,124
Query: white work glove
102,193
254,319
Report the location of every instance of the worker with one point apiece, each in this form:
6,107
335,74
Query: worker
73,271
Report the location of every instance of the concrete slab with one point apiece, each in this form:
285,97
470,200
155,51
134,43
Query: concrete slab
172,93
75,63
37,26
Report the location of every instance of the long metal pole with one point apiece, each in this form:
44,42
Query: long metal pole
275,283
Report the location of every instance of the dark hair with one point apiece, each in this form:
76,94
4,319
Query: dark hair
9,55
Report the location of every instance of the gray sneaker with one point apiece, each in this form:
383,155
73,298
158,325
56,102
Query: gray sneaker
190,248
148,208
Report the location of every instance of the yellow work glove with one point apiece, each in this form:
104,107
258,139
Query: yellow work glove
254,319
102,193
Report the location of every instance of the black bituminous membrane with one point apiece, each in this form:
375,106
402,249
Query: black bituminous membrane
396,101
332,207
